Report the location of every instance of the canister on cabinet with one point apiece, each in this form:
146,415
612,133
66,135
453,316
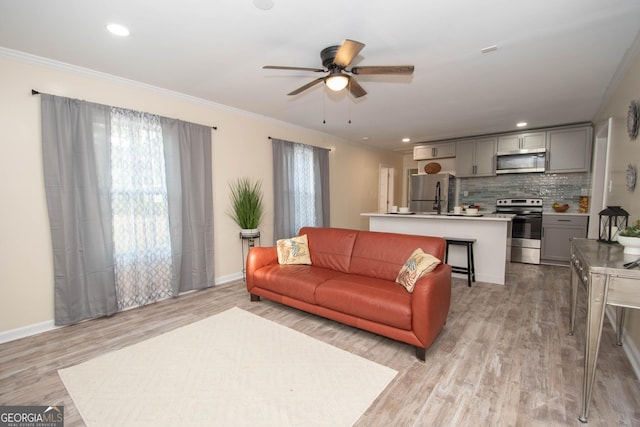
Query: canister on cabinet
583,205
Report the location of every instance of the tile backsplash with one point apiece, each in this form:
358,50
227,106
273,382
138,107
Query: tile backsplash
561,188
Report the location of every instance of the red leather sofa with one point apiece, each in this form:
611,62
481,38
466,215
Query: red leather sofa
352,280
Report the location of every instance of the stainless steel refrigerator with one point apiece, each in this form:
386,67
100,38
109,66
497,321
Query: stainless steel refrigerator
427,190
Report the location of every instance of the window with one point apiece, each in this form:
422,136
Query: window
130,204
301,187
140,212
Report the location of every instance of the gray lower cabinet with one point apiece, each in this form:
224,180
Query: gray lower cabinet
557,230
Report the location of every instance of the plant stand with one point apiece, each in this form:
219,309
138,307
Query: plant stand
250,242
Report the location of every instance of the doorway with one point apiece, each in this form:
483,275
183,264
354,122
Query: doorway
600,168
385,188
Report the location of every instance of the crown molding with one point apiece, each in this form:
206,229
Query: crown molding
98,75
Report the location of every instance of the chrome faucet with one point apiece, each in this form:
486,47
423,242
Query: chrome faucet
438,204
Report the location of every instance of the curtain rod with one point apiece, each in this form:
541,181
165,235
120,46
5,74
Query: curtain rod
330,149
35,92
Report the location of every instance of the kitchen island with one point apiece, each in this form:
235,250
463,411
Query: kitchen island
492,249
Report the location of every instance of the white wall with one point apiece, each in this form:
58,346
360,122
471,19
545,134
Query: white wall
624,151
240,148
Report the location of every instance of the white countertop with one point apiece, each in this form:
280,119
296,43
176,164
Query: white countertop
481,217
565,213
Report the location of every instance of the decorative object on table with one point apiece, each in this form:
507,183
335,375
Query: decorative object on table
630,239
612,220
246,205
631,244
631,177
583,204
560,208
432,167
633,119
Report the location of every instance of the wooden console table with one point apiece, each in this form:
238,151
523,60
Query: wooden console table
598,266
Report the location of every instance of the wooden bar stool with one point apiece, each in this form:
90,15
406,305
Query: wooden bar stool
470,269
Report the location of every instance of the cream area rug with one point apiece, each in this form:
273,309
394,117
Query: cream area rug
231,369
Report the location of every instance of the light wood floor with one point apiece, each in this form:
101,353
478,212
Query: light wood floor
503,359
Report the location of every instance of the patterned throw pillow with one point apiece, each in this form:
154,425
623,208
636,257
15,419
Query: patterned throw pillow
418,264
294,250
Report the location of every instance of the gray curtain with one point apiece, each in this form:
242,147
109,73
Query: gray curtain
77,174
77,177
294,208
188,166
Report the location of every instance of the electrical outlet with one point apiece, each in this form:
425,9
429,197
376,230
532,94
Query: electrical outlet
465,193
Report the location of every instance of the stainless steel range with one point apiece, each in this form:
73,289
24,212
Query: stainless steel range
526,228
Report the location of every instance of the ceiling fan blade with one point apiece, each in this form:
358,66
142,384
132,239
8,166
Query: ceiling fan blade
354,87
278,67
383,69
347,52
307,86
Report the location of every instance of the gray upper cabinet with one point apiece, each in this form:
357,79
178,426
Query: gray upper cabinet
569,150
434,151
522,141
475,158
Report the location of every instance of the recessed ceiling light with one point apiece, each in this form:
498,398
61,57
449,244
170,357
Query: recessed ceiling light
521,124
118,30
488,49
365,138
406,139
263,4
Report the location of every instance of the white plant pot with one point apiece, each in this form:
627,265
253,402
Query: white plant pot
250,232
631,244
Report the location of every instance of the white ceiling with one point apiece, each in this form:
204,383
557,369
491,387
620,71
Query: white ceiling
554,63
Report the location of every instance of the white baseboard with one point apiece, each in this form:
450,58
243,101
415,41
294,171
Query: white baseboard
27,331
628,345
49,325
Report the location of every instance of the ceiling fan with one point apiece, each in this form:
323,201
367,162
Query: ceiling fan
335,60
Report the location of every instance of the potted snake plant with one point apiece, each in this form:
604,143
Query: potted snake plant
246,205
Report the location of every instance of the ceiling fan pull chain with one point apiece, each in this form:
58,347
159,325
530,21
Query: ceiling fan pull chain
349,102
324,112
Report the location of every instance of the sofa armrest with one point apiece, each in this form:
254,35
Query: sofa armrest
430,303
258,257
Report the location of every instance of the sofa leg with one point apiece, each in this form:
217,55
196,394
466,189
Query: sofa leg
255,298
421,353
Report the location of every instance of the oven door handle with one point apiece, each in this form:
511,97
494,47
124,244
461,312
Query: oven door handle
528,215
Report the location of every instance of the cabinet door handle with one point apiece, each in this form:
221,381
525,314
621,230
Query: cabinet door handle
434,151
564,220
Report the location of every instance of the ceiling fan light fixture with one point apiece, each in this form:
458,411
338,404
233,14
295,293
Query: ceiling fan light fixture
337,82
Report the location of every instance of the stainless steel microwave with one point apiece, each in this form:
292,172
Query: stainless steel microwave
522,161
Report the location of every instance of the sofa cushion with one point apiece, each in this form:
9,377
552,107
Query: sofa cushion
330,247
382,255
377,300
293,251
295,281
415,267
